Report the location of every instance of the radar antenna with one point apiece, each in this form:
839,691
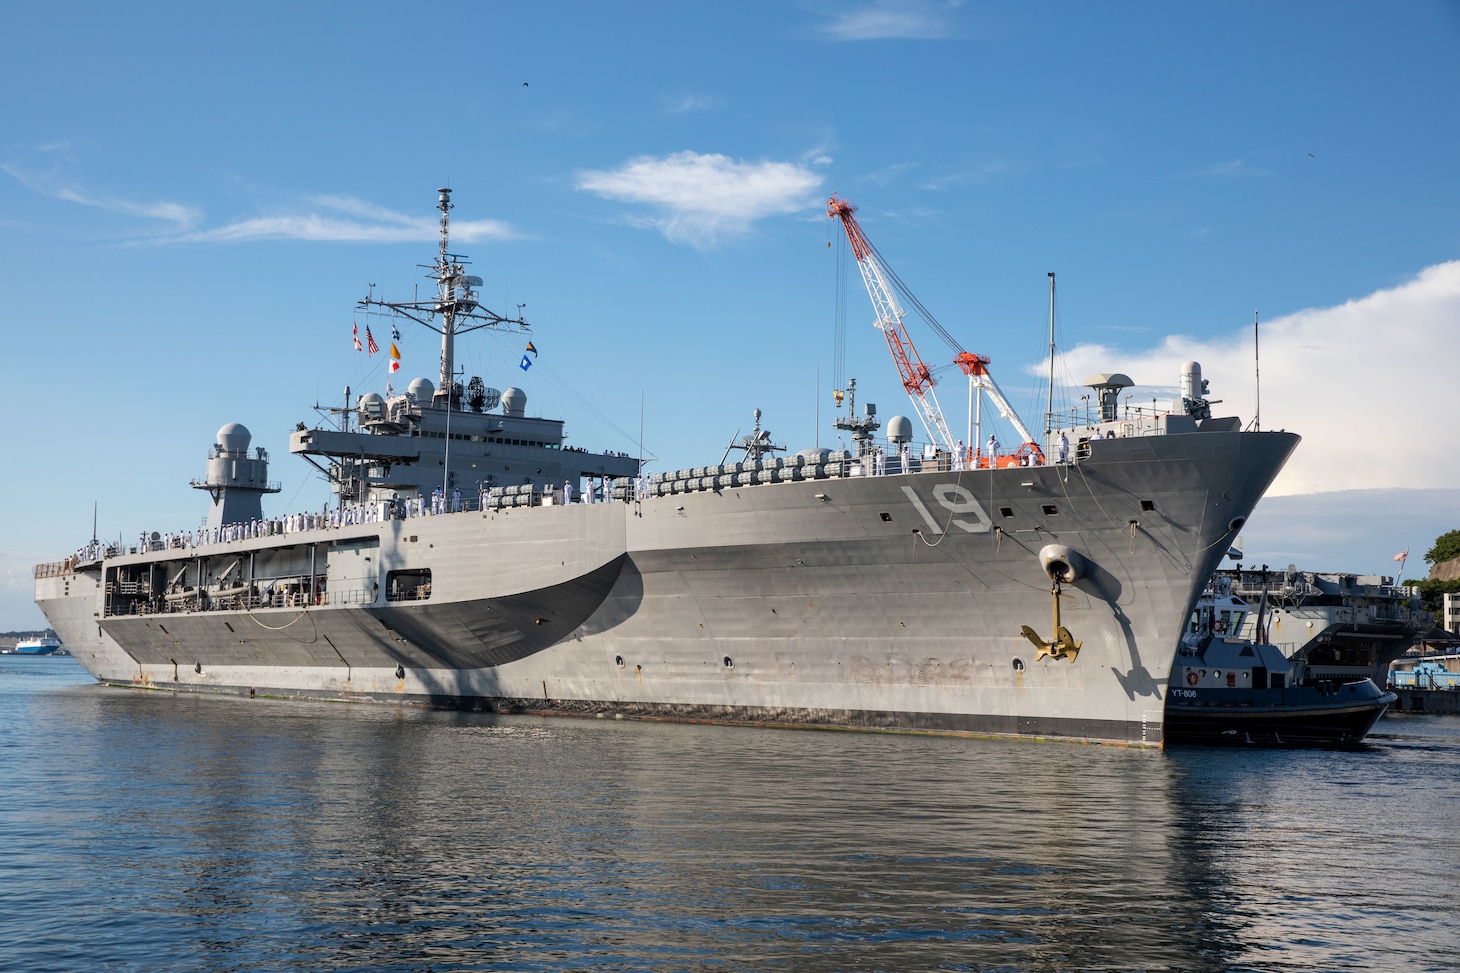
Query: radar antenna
756,445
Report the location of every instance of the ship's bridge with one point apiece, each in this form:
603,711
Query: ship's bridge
403,447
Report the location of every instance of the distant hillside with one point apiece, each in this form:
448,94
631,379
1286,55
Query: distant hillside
8,639
1446,570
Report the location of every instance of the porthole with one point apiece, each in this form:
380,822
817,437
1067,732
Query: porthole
729,662
618,660
1018,665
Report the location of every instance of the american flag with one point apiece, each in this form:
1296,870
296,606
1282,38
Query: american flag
1402,556
370,341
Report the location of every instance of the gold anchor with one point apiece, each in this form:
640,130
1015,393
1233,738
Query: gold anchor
1064,645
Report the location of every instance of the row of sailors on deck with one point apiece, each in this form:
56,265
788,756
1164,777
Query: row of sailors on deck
245,530
962,459
347,515
90,551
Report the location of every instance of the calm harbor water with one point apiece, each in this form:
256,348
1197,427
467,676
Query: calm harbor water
147,831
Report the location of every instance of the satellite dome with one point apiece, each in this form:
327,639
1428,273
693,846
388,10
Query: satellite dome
514,402
421,390
372,405
899,429
234,437
815,454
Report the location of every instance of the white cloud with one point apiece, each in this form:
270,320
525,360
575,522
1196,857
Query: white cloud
885,175
348,220
1235,167
891,20
1368,384
702,199
976,175
1351,530
685,104
323,218
179,214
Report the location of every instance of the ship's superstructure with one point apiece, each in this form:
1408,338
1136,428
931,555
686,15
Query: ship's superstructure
1338,625
471,559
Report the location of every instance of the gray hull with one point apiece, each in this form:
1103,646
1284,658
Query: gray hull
865,602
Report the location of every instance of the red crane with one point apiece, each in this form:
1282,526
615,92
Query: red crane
916,377
881,284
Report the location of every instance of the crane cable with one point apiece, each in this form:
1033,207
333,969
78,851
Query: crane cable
912,300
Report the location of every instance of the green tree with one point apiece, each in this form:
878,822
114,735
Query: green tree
1432,591
1447,546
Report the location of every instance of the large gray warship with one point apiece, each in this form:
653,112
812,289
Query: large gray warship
472,560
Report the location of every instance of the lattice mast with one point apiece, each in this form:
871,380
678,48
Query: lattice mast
455,303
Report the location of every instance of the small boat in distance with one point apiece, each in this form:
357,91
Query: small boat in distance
38,645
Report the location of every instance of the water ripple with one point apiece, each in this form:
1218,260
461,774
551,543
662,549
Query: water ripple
146,831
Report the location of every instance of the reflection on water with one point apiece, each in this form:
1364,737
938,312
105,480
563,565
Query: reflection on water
148,831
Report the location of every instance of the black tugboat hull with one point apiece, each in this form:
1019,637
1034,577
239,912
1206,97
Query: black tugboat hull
1304,716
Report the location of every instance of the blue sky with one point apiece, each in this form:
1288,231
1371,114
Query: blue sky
193,197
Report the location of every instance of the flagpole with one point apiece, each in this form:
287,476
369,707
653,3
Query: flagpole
1257,377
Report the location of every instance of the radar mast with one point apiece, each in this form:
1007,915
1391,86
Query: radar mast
455,302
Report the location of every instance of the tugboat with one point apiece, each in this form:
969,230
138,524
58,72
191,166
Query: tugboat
1227,689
